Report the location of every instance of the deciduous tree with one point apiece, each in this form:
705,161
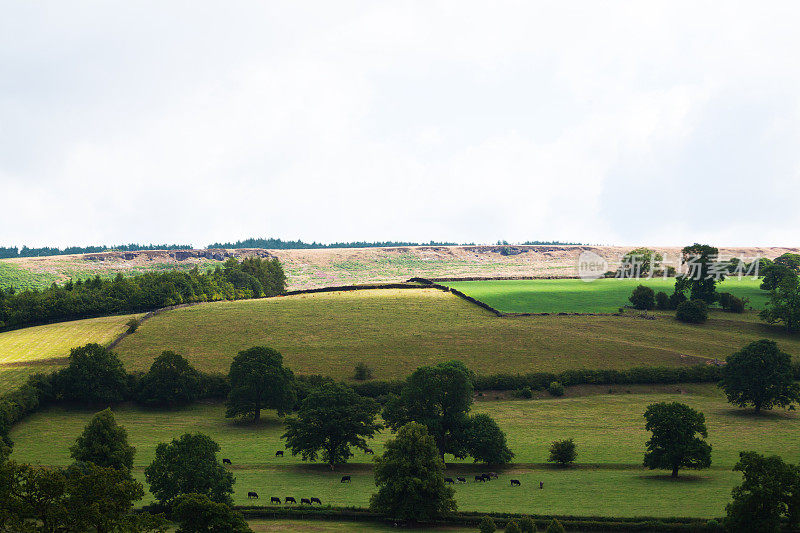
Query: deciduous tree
259,381
104,443
675,442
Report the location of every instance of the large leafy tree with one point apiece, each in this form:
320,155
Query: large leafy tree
701,279
100,498
784,304
189,465
640,262
774,275
438,397
104,443
170,381
760,375
331,420
95,375
259,381
789,260
675,443
485,440
410,477
770,489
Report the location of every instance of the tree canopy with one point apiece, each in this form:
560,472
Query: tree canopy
95,375
784,304
189,465
770,490
702,276
760,375
196,513
259,381
104,443
674,442
410,477
171,381
331,420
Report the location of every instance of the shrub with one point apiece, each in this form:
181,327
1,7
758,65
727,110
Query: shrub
724,299
512,527
487,525
563,452
556,389
676,299
692,312
713,525
737,305
643,298
133,325
662,301
555,527
525,393
527,525
362,372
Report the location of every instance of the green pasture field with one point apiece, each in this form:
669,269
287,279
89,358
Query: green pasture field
397,330
607,479
43,348
578,296
326,526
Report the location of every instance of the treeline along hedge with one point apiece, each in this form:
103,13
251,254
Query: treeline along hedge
250,278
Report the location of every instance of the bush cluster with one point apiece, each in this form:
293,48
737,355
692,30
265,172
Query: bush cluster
692,312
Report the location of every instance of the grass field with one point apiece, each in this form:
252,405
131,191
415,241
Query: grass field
396,331
325,526
43,348
608,430
578,296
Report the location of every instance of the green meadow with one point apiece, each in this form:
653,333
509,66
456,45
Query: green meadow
606,480
578,296
396,331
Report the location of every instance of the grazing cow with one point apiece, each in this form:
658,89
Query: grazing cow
448,480
275,500
316,500
279,453
289,499
515,482
541,484
345,479
226,461
252,495
480,478
493,475
486,477
369,451
305,500
461,479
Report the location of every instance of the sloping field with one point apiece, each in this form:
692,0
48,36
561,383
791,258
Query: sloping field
396,331
578,296
42,348
608,430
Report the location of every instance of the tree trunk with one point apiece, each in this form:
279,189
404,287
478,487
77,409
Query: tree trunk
257,415
674,471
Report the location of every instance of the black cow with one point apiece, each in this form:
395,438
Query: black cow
251,495
515,482
461,479
541,484
369,451
448,480
279,453
486,477
316,500
345,479
480,478
226,461
493,475
305,500
275,500
289,499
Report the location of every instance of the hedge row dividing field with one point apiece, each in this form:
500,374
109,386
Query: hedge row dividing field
578,296
607,481
396,331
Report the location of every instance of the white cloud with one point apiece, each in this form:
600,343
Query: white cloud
623,122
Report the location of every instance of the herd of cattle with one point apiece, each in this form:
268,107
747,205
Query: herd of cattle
482,478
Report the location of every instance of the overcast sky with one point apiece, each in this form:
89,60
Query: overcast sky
599,122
